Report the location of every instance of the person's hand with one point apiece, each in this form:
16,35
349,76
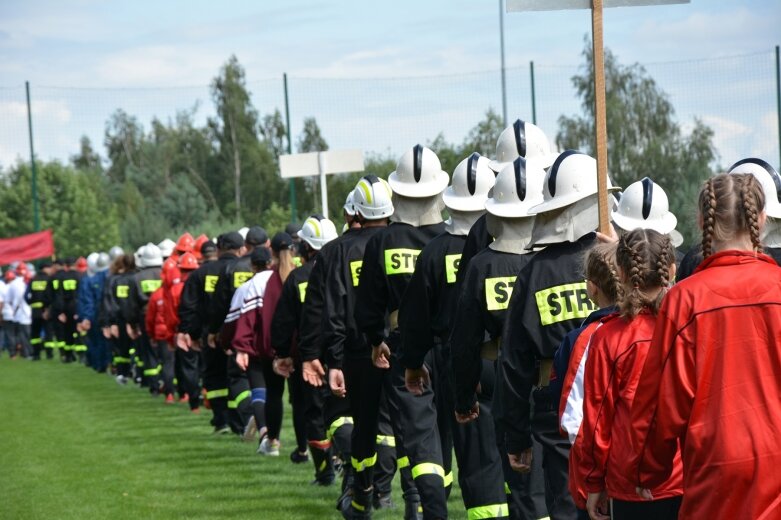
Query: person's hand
610,237
242,359
644,493
106,332
521,462
46,314
336,382
62,317
114,331
416,380
132,331
597,506
471,415
313,372
381,356
183,341
211,340
284,366
86,325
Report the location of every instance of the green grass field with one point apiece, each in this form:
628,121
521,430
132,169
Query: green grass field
74,444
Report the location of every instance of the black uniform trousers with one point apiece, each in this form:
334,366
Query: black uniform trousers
50,343
188,372
167,359
321,444
215,382
37,334
149,359
295,388
121,347
239,402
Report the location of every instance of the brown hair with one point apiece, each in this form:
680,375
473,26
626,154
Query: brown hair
645,256
599,266
730,204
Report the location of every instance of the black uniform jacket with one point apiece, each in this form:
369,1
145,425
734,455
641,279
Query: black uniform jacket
144,283
233,273
65,293
478,239
287,316
37,295
197,296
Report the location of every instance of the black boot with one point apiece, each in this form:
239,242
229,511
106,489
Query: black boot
357,504
324,468
412,507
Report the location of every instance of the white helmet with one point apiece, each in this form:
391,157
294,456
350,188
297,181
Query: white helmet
103,262
150,256
92,263
644,205
418,174
138,256
525,140
768,177
373,198
243,232
572,177
468,190
518,188
317,231
348,207
114,252
166,247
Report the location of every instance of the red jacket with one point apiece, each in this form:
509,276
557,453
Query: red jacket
713,381
172,294
253,328
155,318
615,362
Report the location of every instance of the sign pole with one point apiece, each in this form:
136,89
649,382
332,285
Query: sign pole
600,113
36,218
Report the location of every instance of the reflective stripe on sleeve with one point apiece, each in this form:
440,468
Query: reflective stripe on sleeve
360,465
428,468
492,511
214,394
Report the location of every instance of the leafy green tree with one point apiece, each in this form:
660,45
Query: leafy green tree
274,133
87,159
644,138
482,138
122,139
311,138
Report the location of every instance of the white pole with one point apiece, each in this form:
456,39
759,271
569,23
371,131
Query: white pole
323,187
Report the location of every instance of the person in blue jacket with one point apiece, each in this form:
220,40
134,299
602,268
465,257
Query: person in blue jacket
88,306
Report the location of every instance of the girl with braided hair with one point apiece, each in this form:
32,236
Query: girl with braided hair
619,347
710,384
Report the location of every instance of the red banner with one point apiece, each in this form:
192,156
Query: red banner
26,247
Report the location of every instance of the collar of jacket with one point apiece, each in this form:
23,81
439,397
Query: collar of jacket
733,257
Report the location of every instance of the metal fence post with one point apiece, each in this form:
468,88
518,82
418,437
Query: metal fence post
293,209
36,218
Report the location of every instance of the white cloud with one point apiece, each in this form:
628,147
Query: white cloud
50,117
159,65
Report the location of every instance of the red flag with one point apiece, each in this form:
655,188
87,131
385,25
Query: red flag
26,247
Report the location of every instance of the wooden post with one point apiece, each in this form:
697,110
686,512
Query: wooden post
600,123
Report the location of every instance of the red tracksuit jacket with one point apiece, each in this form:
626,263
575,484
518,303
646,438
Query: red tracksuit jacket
713,381
253,328
615,362
155,318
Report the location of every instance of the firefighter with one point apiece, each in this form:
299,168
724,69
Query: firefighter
63,309
90,295
37,298
549,299
388,265
115,302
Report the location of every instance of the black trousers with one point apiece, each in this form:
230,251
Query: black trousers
239,397
122,346
663,509
295,387
149,356
167,359
188,370
37,334
215,382
50,344
267,388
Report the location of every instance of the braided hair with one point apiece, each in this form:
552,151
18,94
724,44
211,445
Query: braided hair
599,266
730,205
646,257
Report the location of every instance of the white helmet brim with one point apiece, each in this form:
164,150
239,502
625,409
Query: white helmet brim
419,190
665,225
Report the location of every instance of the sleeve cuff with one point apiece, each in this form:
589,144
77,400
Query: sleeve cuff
517,443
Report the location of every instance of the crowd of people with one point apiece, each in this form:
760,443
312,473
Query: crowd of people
573,374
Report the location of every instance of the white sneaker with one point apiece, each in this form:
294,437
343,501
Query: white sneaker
269,447
122,380
250,430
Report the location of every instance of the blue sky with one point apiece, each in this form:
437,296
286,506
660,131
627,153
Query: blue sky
134,46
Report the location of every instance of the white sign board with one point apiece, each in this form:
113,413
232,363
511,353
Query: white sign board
557,5
321,164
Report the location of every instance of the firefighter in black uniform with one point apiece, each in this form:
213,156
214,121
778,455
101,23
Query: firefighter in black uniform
63,309
115,303
388,264
549,299
425,317
476,333
316,232
37,297
144,282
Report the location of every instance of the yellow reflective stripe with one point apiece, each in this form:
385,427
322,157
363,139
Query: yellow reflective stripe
355,271
36,341
358,506
492,511
213,394
69,285
153,371
386,440
563,302
36,305
451,267
302,290
80,348
239,398
139,363
449,479
39,285
240,277
50,344
507,490
341,421
498,291
132,351
150,286
297,261
403,462
427,468
56,284
120,359
366,189
210,283
322,465
83,333
123,291
360,465
400,261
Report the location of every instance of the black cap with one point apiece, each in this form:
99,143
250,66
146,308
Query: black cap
256,236
208,248
44,264
231,240
281,241
260,256
292,229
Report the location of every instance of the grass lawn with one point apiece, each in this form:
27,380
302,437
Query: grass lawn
74,444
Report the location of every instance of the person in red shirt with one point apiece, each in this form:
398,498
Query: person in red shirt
711,381
161,335
646,266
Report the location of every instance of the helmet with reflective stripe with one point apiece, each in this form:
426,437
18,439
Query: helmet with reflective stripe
373,198
418,174
469,187
768,177
522,139
572,177
317,231
518,188
348,205
644,205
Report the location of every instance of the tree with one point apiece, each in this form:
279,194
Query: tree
482,138
644,139
274,133
311,139
122,139
87,159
